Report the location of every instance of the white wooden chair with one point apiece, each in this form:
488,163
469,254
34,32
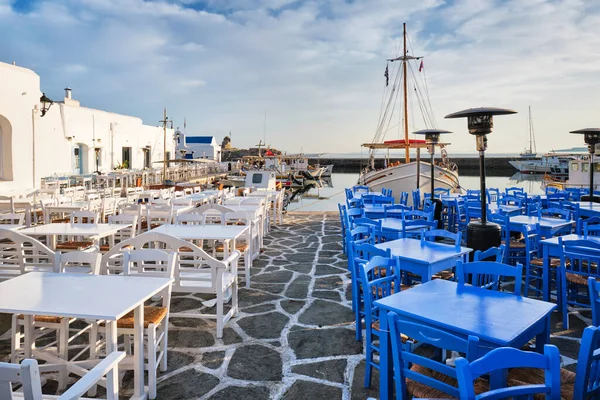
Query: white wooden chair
79,262
241,245
182,201
73,243
150,263
213,213
158,214
187,191
132,209
196,272
122,234
12,219
109,207
28,375
20,254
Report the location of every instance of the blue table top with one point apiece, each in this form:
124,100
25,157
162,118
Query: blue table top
495,317
572,236
586,205
361,194
428,253
547,223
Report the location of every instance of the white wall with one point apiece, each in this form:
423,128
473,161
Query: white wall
65,126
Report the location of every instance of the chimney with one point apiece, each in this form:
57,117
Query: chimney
67,93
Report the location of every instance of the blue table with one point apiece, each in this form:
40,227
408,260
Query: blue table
550,248
498,319
548,226
424,258
588,209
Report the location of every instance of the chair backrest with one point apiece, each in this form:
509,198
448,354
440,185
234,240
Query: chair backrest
533,209
590,227
389,208
379,277
151,263
360,189
237,218
500,360
554,212
182,201
436,234
190,219
127,233
414,228
79,262
493,194
27,374
20,254
581,257
417,214
403,198
511,191
360,234
594,290
492,254
587,376
85,217
488,274
196,272
12,219
531,237
159,214
416,198
404,358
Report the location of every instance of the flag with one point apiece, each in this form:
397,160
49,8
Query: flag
387,76
421,66
184,122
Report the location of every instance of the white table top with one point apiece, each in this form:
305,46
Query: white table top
98,230
77,295
78,205
233,201
200,232
11,227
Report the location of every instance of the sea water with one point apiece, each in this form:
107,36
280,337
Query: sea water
326,198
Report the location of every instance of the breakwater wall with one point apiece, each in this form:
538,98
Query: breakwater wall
467,166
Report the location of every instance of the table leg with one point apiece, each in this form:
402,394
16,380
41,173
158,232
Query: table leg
28,335
138,352
112,378
545,273
543,337
386,381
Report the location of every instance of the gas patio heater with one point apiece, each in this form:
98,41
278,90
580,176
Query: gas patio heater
591,137
481,235
432,138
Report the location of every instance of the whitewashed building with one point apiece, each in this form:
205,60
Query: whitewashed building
69,139
198,147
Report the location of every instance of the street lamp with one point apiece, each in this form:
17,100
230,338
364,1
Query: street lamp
482,235
591,137
46,104
432,138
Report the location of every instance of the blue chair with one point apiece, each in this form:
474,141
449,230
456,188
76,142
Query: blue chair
533,261
510,201
360,253
572,207
389,210
493,194
342,209
360,189
579,261
587,381
403,198
412,229
498,361
460,218
533,209
594,289
512,191
488,274
416,197
353,213
492,254
436,234
437,192
377,199
591,227
380,278
415,375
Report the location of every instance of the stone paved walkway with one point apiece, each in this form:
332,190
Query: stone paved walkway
294,336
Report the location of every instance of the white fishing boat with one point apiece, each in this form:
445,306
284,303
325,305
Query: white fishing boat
578,174
409,175
531,151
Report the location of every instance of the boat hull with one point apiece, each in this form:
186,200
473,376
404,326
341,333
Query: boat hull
403,178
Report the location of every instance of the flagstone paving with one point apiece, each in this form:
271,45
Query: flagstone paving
294,335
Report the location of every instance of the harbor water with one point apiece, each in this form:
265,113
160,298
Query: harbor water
326,198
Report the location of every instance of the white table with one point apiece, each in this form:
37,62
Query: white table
11,227
253,212
93,231
87,297
64,209
224,233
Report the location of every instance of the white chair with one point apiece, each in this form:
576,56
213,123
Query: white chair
213,213
109,207
187,191
150,263
79,262
28,375
177,194
122,234
20,254
132,209
196,272
12,219
182,201
241,245
158,214
83,217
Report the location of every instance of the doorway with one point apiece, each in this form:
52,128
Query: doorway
126,157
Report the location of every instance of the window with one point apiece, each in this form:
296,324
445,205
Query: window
584,168
596,167
257,178
146,157
574,166
126,158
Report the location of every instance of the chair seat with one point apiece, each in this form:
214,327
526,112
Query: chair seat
529,376
152,315
446,275
44,318
74,245
539,262
375,325
61,220
578,279
238,246
420,390
515,244
106,247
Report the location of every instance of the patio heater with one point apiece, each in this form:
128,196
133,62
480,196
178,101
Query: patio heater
591,137
481,235
432,138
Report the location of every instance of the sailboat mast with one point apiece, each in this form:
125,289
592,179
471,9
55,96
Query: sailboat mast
531,135
404,61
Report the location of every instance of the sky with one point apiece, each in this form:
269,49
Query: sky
313,70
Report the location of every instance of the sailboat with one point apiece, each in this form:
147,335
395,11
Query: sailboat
409,175
530,152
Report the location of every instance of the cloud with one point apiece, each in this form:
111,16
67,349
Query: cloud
316,67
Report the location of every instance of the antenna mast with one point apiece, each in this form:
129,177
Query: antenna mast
164,121
404,61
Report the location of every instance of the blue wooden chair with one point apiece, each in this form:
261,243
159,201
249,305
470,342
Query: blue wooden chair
360,253
403,198
510,201
353,213
533,209
579,260
360,189
511,191
532,259
377,200
495,254
437,192
380,278
590,227
493,194
421,224
460,218
342,209
594,290
417,376
572,207
498,361
389,210
416,198
488,274
377,232
587,381
442,235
